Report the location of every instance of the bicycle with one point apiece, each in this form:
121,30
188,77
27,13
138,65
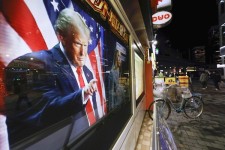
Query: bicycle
191,104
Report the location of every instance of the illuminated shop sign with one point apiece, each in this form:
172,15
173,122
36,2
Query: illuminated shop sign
164,4
161,19
107,14
220,65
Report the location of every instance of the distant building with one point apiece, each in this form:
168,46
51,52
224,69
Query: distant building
221,16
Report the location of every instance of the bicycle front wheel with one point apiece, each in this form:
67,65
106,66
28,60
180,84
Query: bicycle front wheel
164,108
193,107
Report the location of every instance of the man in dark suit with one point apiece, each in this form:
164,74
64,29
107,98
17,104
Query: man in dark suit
57,91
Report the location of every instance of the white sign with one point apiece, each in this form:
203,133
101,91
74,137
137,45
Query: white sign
161,18
164,4
220,65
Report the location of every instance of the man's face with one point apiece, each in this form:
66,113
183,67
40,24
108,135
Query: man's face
76,46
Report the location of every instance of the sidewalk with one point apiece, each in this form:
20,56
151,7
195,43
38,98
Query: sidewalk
207,132
144,141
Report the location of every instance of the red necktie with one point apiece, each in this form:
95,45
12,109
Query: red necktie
88,108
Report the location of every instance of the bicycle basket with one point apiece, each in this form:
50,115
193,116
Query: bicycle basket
172,93
186,93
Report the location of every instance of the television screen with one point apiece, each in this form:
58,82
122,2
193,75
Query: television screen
41,86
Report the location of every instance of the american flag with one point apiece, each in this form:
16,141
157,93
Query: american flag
27,25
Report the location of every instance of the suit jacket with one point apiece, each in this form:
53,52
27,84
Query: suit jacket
56,92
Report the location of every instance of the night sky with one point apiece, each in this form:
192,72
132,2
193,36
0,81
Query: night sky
190,22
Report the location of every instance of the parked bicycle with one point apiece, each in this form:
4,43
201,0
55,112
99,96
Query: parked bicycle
191,104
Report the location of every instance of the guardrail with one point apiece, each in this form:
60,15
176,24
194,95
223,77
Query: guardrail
162,135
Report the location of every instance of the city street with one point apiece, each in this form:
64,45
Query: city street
207,132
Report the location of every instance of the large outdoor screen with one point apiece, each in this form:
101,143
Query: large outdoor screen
41,88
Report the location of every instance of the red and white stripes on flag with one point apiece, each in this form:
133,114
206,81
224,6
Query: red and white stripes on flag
94,58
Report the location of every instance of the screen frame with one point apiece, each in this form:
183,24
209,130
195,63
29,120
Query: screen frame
51,130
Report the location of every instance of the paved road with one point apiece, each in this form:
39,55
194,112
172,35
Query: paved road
207,132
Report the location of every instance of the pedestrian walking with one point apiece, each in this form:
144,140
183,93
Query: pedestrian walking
161,74
204,77
216,77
